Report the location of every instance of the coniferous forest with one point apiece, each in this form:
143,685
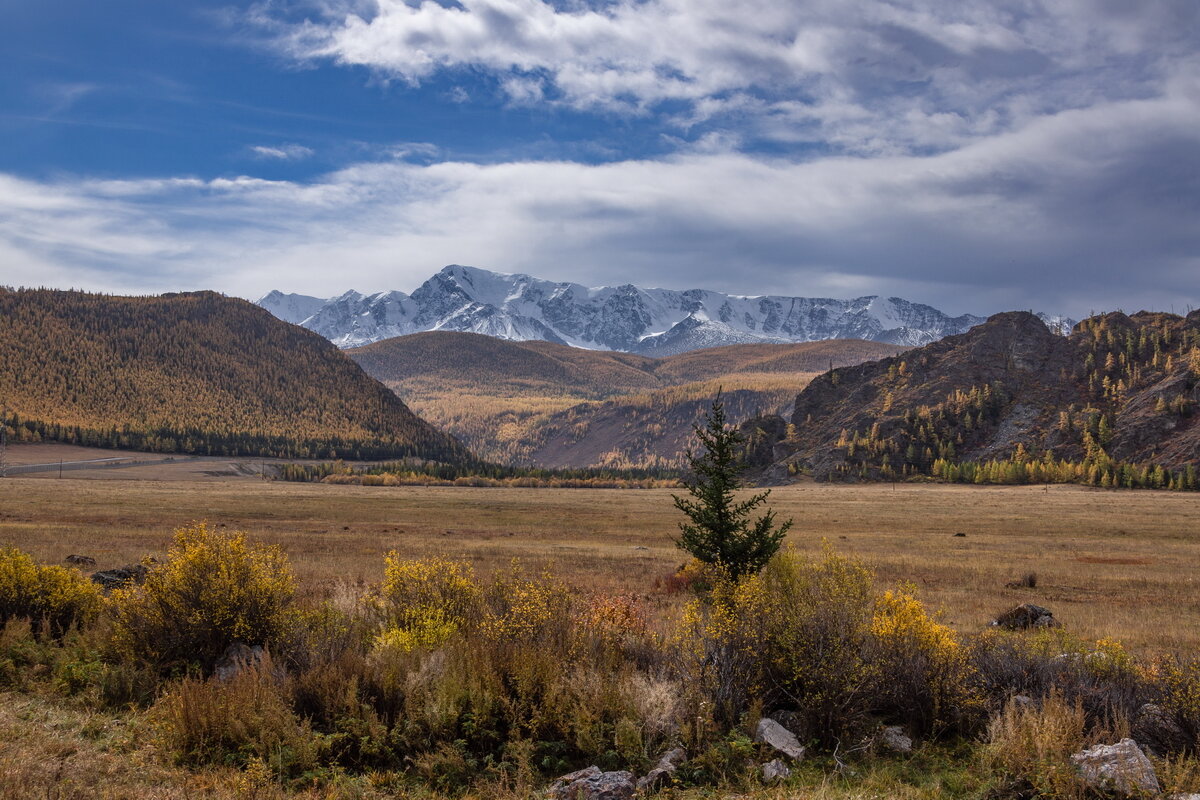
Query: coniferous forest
195,373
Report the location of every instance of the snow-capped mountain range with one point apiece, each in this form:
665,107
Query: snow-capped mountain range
654,322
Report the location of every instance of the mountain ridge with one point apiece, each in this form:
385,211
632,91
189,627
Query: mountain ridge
1113,404
653,322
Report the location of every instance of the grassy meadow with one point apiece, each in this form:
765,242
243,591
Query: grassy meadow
1108,563
1111,565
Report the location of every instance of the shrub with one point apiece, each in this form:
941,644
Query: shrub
249,717
214,589
1176,685
794,636
1100,676
426,601
1030,745
927,680
54,599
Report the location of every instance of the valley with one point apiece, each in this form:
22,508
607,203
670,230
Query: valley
552,405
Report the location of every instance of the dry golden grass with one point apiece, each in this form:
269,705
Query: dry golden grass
1119,564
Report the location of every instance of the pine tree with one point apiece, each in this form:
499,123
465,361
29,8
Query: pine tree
720,531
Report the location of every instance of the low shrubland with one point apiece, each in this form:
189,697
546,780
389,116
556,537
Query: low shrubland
444,679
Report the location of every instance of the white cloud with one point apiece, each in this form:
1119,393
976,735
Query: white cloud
869,76
1092,208
282,152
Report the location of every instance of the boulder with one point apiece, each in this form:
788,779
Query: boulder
120,577
1120,769
80,561
662,773
237,658
893,738
775,771
1025,616
1158,731
778,738
592,784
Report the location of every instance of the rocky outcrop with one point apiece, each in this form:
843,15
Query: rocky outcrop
1120,769
80,561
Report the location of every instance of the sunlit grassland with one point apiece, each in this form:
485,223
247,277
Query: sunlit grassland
1120,564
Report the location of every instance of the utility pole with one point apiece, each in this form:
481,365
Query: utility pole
4,442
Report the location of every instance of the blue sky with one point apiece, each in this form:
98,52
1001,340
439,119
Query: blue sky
978,155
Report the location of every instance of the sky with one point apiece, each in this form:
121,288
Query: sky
976,155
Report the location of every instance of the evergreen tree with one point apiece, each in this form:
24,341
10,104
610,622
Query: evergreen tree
720,531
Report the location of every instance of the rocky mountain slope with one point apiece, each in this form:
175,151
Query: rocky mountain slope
549,404
654,322
196,373
1112,404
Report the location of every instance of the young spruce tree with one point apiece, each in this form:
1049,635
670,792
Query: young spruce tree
720,532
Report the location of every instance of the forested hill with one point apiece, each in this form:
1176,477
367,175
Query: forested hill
197,373
1113,404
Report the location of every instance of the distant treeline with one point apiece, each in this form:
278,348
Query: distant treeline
429,473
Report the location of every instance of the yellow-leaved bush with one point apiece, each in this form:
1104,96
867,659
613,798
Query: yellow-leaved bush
53,598
425,601
928,679
812,636
214,589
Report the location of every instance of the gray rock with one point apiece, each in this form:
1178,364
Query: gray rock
662,773
778,738
792,720
1022,701
893,738
1026,616
775,771
128,575
592,784
80,561
1120,768
237,658
1183,797
1157,731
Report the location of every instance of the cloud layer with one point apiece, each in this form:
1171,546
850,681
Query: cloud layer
1080,210
979,155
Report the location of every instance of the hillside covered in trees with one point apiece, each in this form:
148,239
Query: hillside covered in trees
193,373
1113,404
544,404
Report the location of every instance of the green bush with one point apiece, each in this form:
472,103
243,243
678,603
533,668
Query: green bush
54,599
214,589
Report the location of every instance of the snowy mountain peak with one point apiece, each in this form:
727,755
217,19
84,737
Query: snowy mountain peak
651,321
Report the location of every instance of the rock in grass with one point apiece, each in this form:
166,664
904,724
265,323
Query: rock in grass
778,738
662,773
775,771
1025,616
592,784
121,576
1120,768
1158,732
237,658
894,739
